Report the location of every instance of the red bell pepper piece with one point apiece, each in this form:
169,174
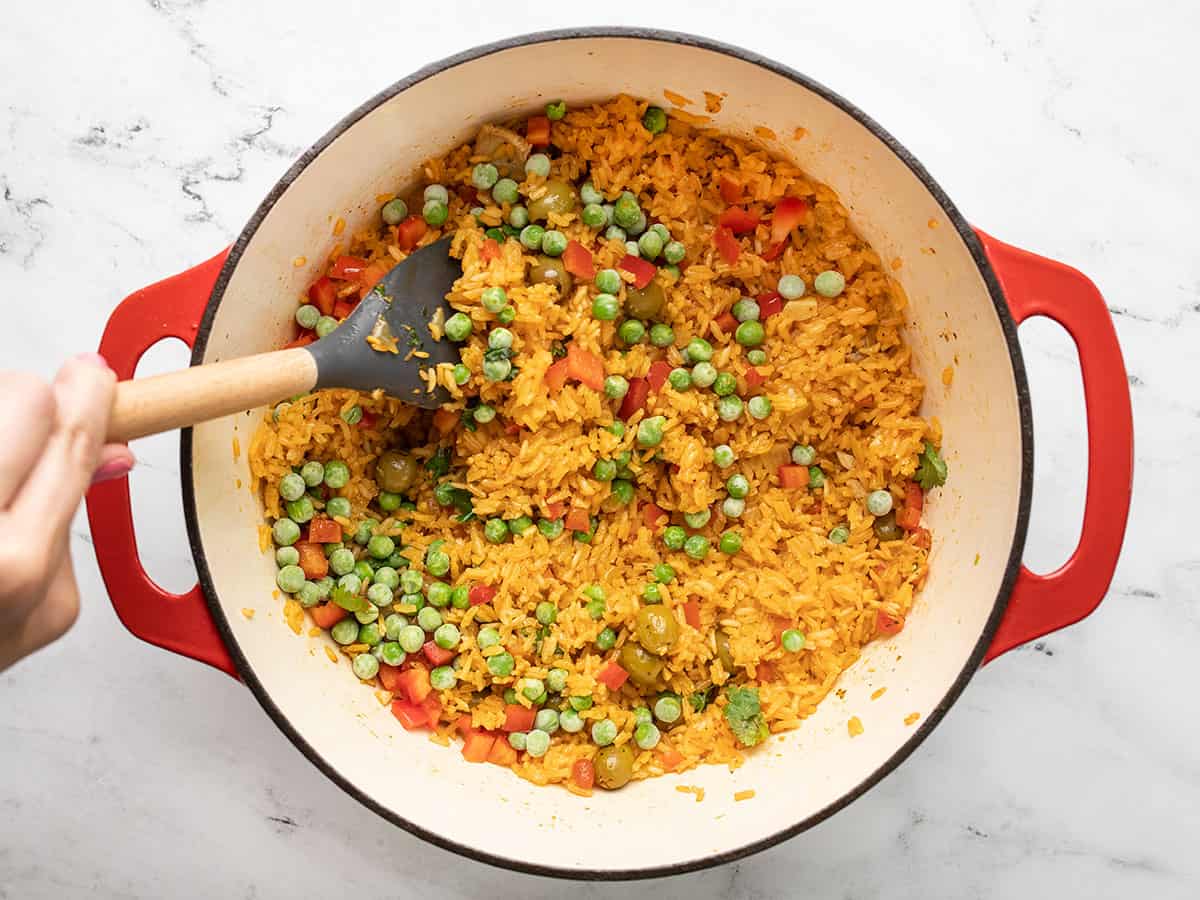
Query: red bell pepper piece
324,531
477,746
502,753
657,376
305,338
583,774
412,716
754,377
518,718
433,708
887,624
669,758
577,260
691,613
908,516
612,676
554,510
464,727
556,375
577,519
389,677
490,250
726,245
774,251
437,656
651,513
792,476
414,683
642,270
789,212
410,231
635,397
347,268
727,323
738,220
369,277
921,537
480,594
343,308
327,615
537,131
769,304
322,294
585,367
731,191
446,420
312,560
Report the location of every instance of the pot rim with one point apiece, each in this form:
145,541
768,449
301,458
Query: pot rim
1012,566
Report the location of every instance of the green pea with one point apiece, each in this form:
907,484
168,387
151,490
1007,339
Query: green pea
443,678
380,594
290,579
554,242
438,593
307,316
394,211
662,335
517,740
626,210
674,537
616,428
622,491
446,635
816,478
681,379
537,742
604,470
667,708
699,350
570,721
556,109
879,503
662,231
724,385
605,307
593,216
391,653
411,638
381,546
738,486
608,281
495,531
650,431
461,374
369,633
546,613
674,252
484,176
309,594
550,528
790,287
704,374
615,233
730,543
460,596
556,680
287,556
792,640
392,625
538,164
481,414
606,639
756,357
839,535
650,245
759,407
604,732
697,519
579,704
615,387
505,191
518,216
411,582
350,582
585,537
723,456
520,525
546,720
493,299
458,327
496,369
729,408
696,546
345,632
746,310
435,213
313,473
291,487
531,237
500,339
663,573
829,283
803,455
501,664
651,593
324,327
750,333
654,120
338,507
337,474
301,510
507,315
733,507
353,415
325,587
646,735
437,563
631,331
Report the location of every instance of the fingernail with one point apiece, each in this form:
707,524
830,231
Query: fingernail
114,468
93,359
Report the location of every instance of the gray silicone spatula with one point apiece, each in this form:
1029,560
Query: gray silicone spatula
405,301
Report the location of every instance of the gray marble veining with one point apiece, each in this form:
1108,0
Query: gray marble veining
136,137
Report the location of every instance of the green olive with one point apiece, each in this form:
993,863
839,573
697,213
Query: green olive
724,657
548,270
560,197
645,303
886,528
643,668
614,766
657,629
395,472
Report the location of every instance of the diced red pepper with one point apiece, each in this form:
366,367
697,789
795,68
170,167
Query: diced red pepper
312,560
324,531
727,322
433,708
502,753
754,377
651,513
369,277
791,476
305,338
554,510
585,367
731,191
887,624
774,251
480,594
765,671
577,519
657,376
518,718
769,304
327,615
414,683
446,420
577,260
642,270
583,774
477,746
726,245
322,294
669,758
908,516
612,676
512,428
412,716
537,131
347,268
464,727
437,656
490,250
410,231
368,420
789,212
691,613
635,397
922,538
556,375
738,220
343,308
389,677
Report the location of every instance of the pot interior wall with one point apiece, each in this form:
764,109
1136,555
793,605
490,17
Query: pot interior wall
953,323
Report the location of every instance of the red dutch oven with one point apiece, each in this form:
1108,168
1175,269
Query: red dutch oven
968,292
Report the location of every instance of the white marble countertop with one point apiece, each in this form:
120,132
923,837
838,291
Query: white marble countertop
136,138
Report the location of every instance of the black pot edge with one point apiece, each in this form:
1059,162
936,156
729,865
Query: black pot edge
1012,567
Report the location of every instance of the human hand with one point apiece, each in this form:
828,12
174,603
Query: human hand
54,448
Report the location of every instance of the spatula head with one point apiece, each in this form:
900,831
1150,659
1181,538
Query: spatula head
405,301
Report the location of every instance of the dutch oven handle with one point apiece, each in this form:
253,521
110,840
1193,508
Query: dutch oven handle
1035,286
180,623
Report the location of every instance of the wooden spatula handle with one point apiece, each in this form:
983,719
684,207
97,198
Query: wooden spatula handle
165,402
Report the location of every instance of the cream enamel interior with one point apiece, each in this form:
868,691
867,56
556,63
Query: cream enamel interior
648,824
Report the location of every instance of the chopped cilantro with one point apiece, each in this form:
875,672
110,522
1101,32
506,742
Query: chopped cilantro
744,715
932,471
